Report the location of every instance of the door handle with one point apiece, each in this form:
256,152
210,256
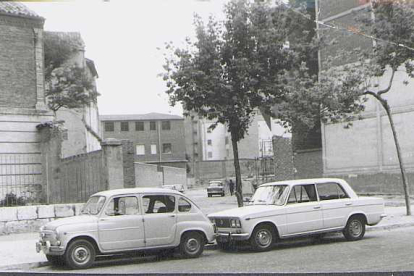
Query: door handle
172,216
102,219
348,204
317,207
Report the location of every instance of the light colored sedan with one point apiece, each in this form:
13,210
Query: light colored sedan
288,209
125,220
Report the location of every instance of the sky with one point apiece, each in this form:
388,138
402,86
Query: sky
123,38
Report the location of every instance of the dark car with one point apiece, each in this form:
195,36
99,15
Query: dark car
215,188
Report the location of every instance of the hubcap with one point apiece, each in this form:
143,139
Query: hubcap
193,245
355,228
264,238
81,255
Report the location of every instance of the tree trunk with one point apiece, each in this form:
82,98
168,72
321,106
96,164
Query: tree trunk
239,190
397,145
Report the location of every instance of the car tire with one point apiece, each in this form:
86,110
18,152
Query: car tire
80,254
191,245
209,195
222,194
55,260
355,228
263,238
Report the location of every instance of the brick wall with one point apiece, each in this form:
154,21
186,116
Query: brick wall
283,158
308,164
18,62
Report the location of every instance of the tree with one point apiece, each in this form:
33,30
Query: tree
67,85
392,31
235,67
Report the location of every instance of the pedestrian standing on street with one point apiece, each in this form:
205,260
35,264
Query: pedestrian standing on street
231,186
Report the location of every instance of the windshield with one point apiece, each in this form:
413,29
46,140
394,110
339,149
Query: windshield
93,206
270,195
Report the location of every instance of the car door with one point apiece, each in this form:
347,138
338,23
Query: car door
121,225
160,219
303,211
336,204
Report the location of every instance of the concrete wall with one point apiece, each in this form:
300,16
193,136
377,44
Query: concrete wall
147,175
174,176
31,218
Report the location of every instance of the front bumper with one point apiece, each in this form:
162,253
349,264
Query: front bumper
49,249
228,236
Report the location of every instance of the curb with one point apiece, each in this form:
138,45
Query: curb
28,266
25,266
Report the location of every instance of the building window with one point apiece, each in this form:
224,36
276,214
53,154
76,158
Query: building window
109,126
153,125
210,154
140,149
124,126
139,126
153,149
209,142
166,125
166,148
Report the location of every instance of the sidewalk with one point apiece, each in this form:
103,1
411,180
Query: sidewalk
17,251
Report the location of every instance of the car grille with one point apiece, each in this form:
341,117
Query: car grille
222,222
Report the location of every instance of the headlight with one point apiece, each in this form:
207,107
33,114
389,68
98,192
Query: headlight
235,223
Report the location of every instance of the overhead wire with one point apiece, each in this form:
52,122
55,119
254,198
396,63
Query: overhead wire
351,29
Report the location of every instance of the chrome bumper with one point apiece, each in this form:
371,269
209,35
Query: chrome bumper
227,236
49,249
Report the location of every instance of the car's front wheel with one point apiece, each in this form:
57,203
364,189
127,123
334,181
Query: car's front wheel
80,254
262,238
192,245
355,228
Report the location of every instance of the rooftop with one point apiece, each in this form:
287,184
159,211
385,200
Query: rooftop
17,9
140,117
143,190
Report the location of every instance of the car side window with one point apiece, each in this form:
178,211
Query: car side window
329,191
184,205
158,204
119,206
302,194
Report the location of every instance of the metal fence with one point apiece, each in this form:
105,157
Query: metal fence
20,179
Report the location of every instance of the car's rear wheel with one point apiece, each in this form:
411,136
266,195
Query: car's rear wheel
222,194
262,238
191,245
55,260
80,254
355,228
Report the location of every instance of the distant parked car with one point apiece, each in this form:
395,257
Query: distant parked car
126,220
215,187
177,187
287,209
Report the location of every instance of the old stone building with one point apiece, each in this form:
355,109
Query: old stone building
22,100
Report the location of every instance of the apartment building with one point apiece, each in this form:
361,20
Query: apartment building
158,138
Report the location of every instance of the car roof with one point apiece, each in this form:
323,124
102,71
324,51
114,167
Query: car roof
304,181
110,193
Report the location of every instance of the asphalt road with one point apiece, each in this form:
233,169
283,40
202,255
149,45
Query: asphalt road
379,251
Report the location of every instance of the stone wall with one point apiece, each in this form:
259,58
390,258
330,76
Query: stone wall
31,218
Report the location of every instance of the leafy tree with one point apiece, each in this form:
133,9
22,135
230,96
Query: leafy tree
70,87
67,85
235,67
